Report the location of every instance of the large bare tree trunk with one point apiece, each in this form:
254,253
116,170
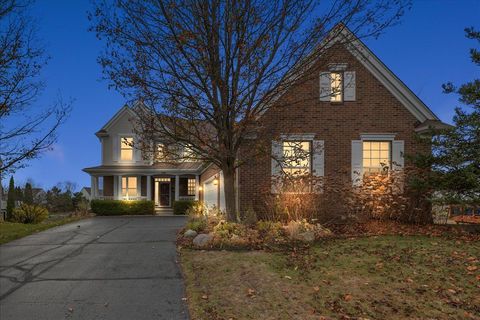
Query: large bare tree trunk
230,195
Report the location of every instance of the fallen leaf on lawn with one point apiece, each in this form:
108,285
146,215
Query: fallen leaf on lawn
452,291
316,289
251,292
204,297
70,309
347,297
410,280
478,277
472,268
288,277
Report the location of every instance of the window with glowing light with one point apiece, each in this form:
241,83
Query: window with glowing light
126,149
296,158
336,87
160,152
191,187
129,187
376,156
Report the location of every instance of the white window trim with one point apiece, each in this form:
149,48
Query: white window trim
337,67
126,196
378,136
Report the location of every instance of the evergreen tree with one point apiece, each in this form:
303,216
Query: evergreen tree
455,158
10,198
28,194
18,194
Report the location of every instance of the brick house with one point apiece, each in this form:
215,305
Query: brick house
350,111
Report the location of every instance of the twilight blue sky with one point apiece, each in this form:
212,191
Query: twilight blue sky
427,49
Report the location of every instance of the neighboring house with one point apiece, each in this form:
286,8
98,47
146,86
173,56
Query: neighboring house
355,114
39,196
87,193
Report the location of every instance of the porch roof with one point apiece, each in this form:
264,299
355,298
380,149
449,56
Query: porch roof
155,169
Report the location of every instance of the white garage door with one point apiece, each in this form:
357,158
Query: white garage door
210,194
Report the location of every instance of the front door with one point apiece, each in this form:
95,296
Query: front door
164,194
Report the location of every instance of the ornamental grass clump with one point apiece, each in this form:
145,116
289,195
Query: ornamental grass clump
27,213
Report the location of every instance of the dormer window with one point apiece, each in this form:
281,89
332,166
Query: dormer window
336,87
126,149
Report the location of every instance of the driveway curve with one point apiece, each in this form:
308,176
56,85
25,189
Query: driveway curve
98,268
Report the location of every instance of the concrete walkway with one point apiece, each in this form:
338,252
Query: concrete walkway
98,268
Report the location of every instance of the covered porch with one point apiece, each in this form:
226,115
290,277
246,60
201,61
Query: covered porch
163,189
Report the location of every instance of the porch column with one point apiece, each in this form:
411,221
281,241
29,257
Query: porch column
197,186
115,187
93,187
177,187
149,187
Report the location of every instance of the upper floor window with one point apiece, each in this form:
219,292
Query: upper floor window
376,156
336,87
297,158
126,149
160,153
188,153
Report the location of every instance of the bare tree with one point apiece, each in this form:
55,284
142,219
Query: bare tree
26,129
207,70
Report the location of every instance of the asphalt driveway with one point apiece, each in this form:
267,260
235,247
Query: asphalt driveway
98,268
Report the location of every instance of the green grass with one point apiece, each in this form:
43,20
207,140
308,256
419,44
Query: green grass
10,231
387,277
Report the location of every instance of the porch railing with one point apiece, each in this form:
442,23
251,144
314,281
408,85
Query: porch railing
186,197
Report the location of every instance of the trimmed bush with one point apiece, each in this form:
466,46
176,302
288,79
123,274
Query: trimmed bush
27,213
121,207
182,206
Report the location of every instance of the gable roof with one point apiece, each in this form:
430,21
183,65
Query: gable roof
383,74
125,109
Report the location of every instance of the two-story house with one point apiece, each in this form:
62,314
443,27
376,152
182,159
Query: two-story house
356,114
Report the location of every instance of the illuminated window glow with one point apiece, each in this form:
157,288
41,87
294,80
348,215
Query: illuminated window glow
376,156
336,87
126,149
129,187
191,187
296,157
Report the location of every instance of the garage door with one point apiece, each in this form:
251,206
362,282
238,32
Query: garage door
210,194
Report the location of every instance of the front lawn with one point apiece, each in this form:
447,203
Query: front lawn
384,277
10,231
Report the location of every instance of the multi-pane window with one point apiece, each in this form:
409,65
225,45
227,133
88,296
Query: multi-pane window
376,156
126,149
296,158
129,187
336,87
188,153
160,152
191,187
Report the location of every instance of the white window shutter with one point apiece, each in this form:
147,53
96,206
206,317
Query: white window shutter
349,93
277,155
137,153
318,161
398,160
325,86
357,162
115,147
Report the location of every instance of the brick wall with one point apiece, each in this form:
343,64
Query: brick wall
300,110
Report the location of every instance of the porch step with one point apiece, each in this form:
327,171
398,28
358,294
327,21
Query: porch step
161,211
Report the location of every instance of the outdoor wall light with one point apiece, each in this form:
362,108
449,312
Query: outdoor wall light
215,181
200,188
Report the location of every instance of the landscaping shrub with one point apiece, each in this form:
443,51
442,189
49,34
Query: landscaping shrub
27,213
183,206
198,209
197,224
121,207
